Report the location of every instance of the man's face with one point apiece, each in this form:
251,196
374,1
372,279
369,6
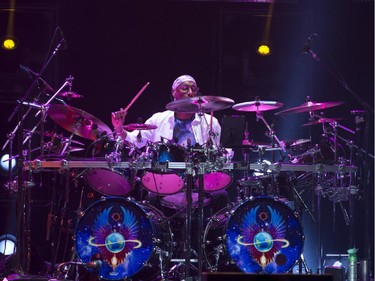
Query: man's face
186,89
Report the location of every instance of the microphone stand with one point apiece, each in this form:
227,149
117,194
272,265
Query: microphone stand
23,252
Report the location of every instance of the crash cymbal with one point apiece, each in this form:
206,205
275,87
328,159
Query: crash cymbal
77,121
137,126
254,106
321,121
310,106
200,104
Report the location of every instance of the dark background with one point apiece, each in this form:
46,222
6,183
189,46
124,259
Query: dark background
115,47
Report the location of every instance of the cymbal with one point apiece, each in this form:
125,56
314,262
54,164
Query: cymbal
70,95
77,121
200,104
137,126
321,121
50,134
254,106
310,106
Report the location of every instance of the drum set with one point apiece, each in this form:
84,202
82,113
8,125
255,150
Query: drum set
121,236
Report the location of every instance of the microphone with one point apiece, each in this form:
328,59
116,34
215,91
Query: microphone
92,264
62,44
307,47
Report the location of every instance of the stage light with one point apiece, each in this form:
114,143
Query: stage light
7,244
263,49
9,42
4,164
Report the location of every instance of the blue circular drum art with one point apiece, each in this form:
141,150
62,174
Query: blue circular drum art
261,235
123,235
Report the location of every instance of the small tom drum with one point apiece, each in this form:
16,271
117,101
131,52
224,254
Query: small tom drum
164,182
112,182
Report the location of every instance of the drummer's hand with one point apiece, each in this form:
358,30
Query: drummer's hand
118,118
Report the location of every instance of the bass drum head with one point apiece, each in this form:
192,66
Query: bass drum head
261,235
123,235
264,235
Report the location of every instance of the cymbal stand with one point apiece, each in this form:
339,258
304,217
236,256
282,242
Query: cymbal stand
201,172
272,135
187,244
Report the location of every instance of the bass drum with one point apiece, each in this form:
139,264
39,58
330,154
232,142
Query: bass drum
131,239
261,235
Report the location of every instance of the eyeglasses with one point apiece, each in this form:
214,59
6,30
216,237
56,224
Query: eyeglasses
185,89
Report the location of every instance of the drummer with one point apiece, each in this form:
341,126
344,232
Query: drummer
182,128
185,129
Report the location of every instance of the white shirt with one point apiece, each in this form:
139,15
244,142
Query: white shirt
165,122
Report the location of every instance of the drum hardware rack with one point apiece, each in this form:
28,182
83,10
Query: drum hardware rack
64,165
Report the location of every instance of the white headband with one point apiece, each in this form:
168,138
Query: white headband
182,79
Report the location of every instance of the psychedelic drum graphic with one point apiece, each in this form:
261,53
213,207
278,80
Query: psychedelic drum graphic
261,235
120,233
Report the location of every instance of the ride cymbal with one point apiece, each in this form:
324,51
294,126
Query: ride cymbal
254,106
200,104
310,106
77,121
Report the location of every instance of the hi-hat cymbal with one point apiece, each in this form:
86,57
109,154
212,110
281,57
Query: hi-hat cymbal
200,104
321,121
254,106
310,106
137,126
77,121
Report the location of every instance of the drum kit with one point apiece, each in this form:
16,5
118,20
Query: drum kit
118,237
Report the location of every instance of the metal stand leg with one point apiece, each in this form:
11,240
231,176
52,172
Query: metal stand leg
187,246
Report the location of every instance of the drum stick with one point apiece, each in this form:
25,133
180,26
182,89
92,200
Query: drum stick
137,96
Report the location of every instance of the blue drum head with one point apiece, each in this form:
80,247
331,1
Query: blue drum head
264,236
117,231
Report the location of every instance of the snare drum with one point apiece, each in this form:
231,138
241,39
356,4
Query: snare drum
129,238
165,181
261,235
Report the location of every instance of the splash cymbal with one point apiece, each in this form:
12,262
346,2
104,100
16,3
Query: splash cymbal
254,106
70,95
77,121
137,126
310,106
200,104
